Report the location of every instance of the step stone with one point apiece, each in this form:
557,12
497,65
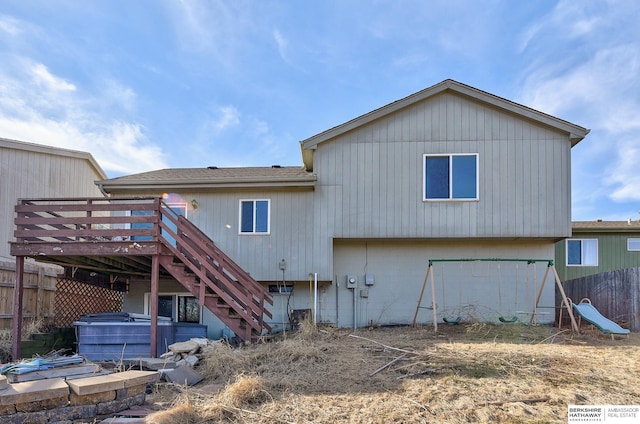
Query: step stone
34,391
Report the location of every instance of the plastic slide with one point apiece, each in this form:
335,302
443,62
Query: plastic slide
590,314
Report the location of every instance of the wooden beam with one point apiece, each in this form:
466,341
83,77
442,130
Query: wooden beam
424,285
17,309
85,248
535,306
153,307
574,324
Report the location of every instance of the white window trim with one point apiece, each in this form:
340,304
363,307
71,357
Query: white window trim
254,233
182,205
635,239
179,205
566,248
147,302
450,199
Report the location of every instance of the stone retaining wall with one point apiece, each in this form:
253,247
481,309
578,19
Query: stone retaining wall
58,401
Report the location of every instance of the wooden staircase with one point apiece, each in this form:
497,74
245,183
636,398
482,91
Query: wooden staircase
122,236
218,283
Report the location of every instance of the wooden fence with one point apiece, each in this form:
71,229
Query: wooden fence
39,292
616,294
51,298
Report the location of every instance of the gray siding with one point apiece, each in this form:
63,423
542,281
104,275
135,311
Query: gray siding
289,239
480,291
374,173
29,171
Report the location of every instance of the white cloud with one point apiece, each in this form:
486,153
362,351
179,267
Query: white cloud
603,88
43,77
118,95
590,77
9,25
228,116
55,112
213,28
568,20
282,43
625,178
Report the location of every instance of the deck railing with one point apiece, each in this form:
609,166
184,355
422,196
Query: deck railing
143,226
82,219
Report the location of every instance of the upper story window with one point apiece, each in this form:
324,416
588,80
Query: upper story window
255,216
633,244
451,176
582,252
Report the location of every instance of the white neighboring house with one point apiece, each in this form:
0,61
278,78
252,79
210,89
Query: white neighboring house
448,172
30,170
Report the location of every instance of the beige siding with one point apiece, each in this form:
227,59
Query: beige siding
290,237
374,173
476,291
29,171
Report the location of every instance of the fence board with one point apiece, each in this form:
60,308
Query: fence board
616,294
39,293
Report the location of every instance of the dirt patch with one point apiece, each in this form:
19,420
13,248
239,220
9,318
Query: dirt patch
464,373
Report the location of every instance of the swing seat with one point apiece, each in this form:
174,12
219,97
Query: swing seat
508,320
452,321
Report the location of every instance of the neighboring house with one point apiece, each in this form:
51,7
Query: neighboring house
601,262
448,172
598,246
30,170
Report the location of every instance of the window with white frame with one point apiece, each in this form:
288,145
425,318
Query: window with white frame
582,252
180,307
177,208
633,244
450,176
255,216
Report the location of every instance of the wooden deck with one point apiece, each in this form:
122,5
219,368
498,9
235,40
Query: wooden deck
137,237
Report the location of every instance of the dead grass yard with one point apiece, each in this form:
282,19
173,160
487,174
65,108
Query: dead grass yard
464,373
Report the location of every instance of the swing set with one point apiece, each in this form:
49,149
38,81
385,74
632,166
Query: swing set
429,277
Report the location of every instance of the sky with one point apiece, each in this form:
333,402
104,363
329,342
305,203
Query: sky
153,84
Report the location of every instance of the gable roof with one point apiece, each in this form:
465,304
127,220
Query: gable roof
213,178
576,133
53,151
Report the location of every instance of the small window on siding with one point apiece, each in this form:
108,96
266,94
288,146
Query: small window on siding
582,252
633,244
180,308
451,177
254,216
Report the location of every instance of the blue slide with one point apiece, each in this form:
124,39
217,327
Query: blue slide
590,314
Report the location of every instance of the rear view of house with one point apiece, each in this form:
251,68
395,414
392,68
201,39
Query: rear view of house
448,172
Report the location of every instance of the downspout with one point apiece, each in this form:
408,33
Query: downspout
315,297
354,308
337,302
101,188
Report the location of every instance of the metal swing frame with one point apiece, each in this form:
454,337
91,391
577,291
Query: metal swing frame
550,268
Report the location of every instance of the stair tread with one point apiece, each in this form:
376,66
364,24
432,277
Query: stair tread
193,270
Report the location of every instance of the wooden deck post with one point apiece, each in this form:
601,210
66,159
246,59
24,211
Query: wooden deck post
17,309
153,307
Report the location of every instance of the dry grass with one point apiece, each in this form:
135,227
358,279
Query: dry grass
6,338
464,373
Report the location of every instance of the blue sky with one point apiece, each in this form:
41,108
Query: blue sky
150,84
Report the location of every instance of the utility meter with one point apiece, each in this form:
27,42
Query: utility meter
352,281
